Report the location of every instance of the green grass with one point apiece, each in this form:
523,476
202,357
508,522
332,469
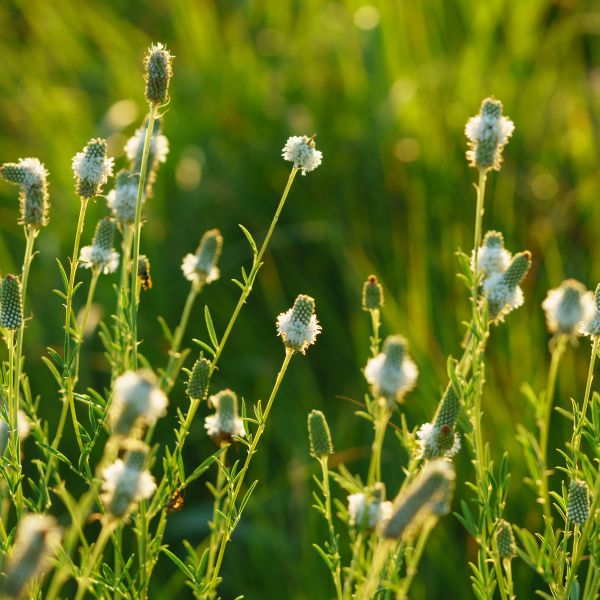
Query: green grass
394,196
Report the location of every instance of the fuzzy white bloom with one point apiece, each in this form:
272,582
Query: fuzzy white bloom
23,429
367,512
500,294
298,326
159,145
126,482
201,267
92,168
301,151
34,172
591,327
569,308
392,373
492,256
122,200
437,441
192,269
94,257
136,397
225,422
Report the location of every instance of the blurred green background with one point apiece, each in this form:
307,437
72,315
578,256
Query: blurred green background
388,87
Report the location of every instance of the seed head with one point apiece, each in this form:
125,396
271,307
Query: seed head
319,435
578,503
199,379
299,327
158,64
505,540
11,305
372,294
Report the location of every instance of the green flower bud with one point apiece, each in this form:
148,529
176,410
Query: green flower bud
199,379
518,268
319,435
159,70
209,250
372,294
578,503
505,540
105,234
11,305
447,411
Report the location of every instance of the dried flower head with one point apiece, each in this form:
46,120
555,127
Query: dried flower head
372,294
369,509
197,387
31,176
568,307
505,540
299,327
101,255
502,290
225,423
158,64
38,538
11,304
122,200
392,373
202,267
301,151
488,133
492,256
319,435
137,401
578,503
126,481
92,168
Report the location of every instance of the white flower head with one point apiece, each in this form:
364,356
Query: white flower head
101,255
591,326
202,267
23,429
126,481
299,327
568,308
488,132
225,422
137,399
437,442
502,291
492,256
122,200
369,510
92,168
300,150
38,538
159,146
392,373
27,172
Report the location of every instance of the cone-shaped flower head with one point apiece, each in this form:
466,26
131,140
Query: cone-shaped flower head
126,481
11,305
123,198
502,290
31,176
225,422
392,373
92,168
23,429
372,294
301,151
319,435
299,327
505,540
158,64
159,147
440,439
144,272
202,266
568,307
429,495
591,326
369,509
578,503
137,401
38,538
101,255
199,379
488,133
492,256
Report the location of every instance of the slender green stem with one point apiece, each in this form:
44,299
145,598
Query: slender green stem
13,417
415,558
231,509
380,557
349,580
336,572
122,294
137,235
375,324
92,561
86,315
381,423
216,520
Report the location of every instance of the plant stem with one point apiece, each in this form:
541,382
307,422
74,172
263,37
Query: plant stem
13,417
240,480
122,293
216,516
411,567
375,324
336,572
381,423
137,234
380,557
86,315
353,566
90,563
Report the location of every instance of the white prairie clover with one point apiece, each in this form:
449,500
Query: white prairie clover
38,538
301,151
502,290
299,327
369,509
92,168
122,199
319,436
488,133
126,481
591,327
158,64
101,255
202,267
568,307
392,373
137,400
225,423
11,304
159,147
492,256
